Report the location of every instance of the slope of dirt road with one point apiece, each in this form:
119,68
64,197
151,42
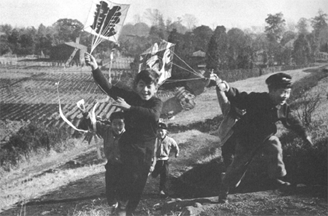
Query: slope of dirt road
77,187
85,195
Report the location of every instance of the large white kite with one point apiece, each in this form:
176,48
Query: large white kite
105,21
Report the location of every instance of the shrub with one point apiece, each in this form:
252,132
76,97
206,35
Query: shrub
9,128
305,84
308,104
307,164
30,137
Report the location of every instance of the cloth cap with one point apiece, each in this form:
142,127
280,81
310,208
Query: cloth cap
279,80
162,126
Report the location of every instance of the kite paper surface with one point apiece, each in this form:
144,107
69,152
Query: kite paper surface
158,57
106,19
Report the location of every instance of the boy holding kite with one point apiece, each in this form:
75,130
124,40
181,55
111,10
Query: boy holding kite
256,130
137,145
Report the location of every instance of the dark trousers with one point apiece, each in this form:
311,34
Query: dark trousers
228,151
272,150
112,179
134,174
162,169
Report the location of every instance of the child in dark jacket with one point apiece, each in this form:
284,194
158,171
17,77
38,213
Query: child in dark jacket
257,128
141,111
111,132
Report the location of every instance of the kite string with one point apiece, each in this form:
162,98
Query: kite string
193,71
181,80
182,68
95,42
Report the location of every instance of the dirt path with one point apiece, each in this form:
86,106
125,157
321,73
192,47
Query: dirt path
81,195
86,196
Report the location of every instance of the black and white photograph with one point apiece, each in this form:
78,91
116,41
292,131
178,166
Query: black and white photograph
163,107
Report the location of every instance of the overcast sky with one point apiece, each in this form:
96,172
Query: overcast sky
230,13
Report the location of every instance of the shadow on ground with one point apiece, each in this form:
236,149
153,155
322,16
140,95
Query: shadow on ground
204,181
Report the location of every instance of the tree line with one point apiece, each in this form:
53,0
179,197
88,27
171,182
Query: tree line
226,49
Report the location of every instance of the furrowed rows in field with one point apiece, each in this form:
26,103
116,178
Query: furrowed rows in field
34,97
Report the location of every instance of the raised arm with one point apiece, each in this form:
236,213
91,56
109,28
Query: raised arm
223,101
101,81
220,93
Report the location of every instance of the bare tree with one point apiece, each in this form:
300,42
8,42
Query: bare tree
154,16
190,21
137,18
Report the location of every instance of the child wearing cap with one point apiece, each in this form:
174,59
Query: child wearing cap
111,131
141,111
164,146
257,128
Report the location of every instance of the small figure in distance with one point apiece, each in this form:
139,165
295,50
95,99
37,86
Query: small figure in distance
164,146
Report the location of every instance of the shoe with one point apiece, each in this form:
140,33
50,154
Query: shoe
121,210
280,183
111,209
122,205
121,213
223,174
115,205
223,198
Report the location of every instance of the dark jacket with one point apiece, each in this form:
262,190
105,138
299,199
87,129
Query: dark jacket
140,120
261,116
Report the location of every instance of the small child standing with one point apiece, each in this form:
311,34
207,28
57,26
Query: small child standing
111,132
111,138
164,146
